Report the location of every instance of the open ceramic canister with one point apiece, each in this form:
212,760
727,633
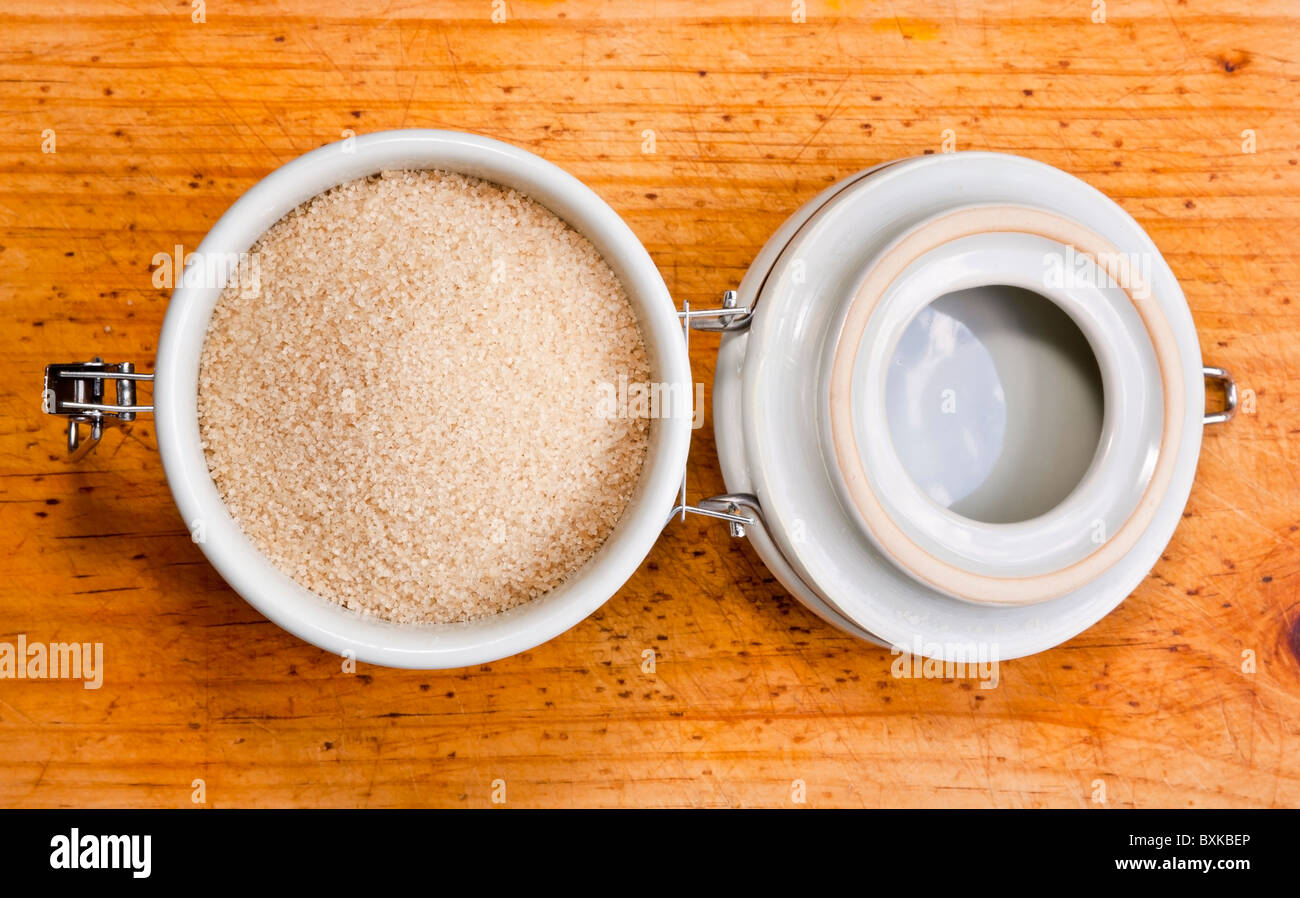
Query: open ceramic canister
958,405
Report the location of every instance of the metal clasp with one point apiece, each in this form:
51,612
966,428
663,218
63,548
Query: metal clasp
733,504
1221,375
727,318
76,391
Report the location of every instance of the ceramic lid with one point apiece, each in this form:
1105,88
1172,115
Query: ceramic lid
810,327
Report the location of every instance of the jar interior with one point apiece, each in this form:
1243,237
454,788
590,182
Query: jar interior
994,402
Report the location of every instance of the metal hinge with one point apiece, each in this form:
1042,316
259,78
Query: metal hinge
76,391
1220,375
727,318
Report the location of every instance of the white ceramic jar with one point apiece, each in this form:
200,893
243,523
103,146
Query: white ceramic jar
891,373
271,592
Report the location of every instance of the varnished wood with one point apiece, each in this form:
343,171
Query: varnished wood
160,123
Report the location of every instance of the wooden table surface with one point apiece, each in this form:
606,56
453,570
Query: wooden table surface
1184,111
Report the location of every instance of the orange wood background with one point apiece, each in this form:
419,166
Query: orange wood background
160,122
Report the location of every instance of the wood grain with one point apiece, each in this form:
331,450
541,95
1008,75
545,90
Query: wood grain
161,122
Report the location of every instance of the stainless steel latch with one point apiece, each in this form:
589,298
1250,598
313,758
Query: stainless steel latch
729,317
77,392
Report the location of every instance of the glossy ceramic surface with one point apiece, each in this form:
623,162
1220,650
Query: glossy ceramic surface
1028,429
773,442
971,378
322,622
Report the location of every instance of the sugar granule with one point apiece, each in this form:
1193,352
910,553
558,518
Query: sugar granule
401,416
